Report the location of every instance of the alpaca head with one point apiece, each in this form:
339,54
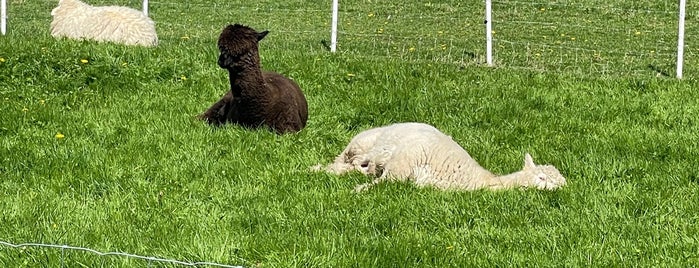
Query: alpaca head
238,44
544,177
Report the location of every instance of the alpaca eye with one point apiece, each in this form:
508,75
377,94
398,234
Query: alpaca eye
365,165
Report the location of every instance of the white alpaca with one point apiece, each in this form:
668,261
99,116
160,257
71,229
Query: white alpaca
77,20
422,154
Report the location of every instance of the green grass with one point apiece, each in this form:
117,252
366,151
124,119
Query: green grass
136,173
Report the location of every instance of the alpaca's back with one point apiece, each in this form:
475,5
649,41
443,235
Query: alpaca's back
77,20
427,156
289,109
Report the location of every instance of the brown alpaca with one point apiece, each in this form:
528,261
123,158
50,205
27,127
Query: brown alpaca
256,97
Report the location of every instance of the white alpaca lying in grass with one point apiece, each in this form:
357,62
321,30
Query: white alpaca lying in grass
77,20
422,154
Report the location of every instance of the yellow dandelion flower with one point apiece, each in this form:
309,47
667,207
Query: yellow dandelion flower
371,15
638,33
493,32
42,102
411,49
124,64
450,247
25,109
183,78
380,30
572,38
350,75
538,54
2,59
59,135
440,32
563,34
184,37
543,9
83,61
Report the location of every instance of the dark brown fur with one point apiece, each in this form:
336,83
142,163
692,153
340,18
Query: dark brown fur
256,97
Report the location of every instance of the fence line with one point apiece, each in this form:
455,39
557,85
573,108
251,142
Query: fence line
521,27
121,254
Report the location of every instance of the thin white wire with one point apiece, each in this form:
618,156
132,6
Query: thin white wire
155,259
606,51
583,7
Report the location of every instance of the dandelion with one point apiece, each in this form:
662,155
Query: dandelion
350,75
84,61
411,49
380,30
2,59
42,102
543,9
123,64
440,32
59,135
183,78
184,37
371,15
572,38
538,54
450,247
25,109
638,33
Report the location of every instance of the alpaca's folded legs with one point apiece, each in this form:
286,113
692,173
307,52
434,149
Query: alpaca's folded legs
365,186
216,114
334,168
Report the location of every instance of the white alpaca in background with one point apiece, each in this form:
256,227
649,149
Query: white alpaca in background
421,154
77,20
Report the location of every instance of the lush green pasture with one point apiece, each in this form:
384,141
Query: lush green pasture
99,147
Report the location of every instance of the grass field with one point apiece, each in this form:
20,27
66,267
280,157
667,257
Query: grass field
99,147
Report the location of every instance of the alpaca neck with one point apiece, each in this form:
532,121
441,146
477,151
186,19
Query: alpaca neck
511,180
246,75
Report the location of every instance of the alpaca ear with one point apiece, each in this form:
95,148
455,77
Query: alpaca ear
529,162
261,35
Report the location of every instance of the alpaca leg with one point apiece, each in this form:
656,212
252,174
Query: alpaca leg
365,186
385,175
216,114
333,168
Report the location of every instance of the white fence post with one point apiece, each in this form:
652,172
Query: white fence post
680,39
488,33
3,16
145,7
333,31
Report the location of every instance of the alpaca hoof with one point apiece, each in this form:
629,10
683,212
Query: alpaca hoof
318,167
